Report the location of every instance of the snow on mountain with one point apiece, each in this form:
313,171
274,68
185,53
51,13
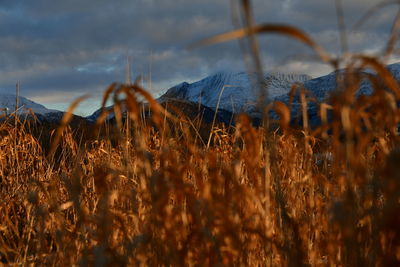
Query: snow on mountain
7,105
242,96
238,95
320,88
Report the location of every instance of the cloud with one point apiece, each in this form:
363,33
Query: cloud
61,49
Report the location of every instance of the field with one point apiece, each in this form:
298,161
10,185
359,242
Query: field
155,196
167,190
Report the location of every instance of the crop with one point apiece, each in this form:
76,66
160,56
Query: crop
160,189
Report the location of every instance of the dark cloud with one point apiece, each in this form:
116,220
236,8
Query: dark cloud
59,50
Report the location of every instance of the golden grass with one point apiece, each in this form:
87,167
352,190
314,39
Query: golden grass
157,196
253,197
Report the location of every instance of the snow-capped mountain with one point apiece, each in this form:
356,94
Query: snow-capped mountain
237,93
236,89
8,102
322,87
26,107
242,97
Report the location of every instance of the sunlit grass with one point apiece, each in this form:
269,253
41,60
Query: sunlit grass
168,190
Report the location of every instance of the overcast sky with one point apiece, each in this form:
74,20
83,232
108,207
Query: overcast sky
59,50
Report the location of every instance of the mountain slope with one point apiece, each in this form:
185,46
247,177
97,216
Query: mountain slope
243,97
322,87
238,95
26,107
7,105
179,108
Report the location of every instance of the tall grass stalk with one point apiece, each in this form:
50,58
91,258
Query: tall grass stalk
149,193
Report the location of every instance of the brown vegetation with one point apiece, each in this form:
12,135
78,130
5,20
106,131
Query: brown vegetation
161,197
254,197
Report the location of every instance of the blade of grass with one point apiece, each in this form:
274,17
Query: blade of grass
68,115
371,11
216,112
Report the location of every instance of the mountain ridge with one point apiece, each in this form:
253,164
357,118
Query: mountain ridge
238,95
8,105
232,91
320,88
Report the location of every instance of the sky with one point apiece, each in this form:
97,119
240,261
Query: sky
60,50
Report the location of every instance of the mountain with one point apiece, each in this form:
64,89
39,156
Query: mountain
322,87
93,117
7,105
242,97
231,93
179,108
26,107
238,95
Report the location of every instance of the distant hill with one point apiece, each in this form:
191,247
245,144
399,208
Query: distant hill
8,101
26,107
179,108
239,95
242,97
322,87
200,99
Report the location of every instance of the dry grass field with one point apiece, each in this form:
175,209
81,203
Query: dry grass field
157,194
